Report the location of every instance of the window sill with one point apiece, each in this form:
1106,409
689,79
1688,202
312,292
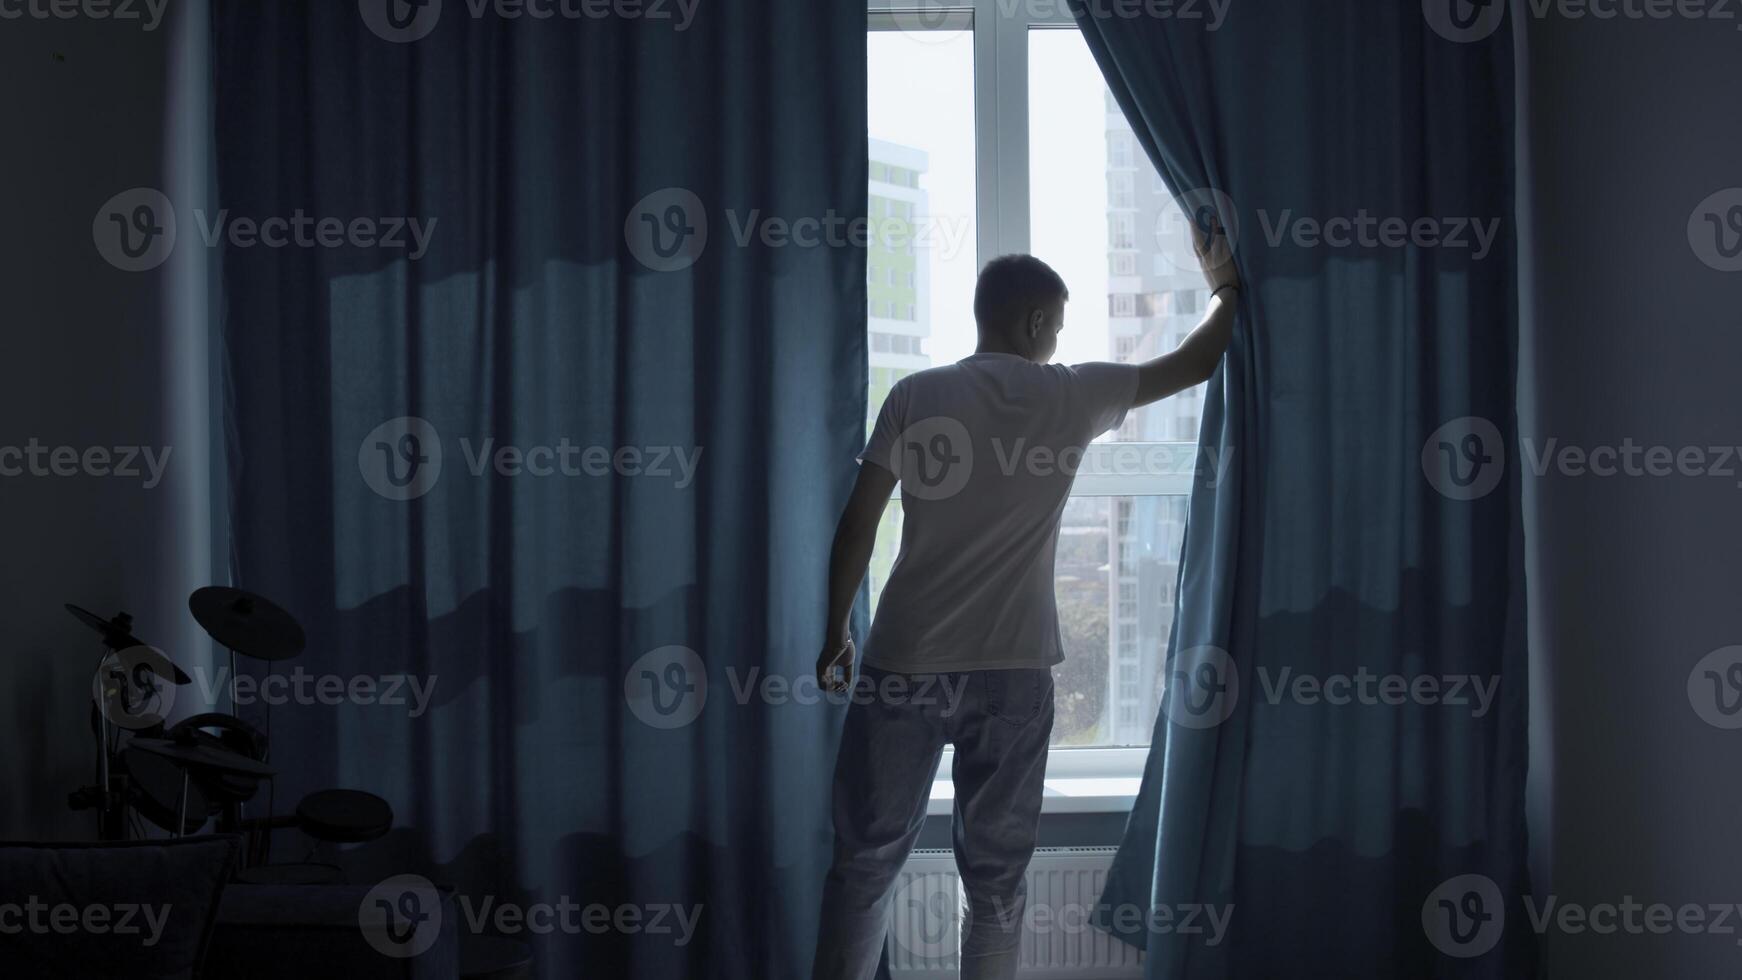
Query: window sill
1068,795
1077,781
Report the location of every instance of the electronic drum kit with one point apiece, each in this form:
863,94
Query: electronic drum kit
209,766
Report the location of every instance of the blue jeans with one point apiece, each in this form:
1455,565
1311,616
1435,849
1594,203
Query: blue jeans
1000,722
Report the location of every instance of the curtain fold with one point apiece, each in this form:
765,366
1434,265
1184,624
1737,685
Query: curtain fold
572,466
1370,525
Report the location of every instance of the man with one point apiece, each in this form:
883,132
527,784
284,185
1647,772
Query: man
966,633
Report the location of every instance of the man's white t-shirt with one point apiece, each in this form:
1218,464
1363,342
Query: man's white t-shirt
986,450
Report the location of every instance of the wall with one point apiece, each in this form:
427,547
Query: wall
1628,335
94,357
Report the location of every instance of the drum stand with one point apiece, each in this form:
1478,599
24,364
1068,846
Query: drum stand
111,825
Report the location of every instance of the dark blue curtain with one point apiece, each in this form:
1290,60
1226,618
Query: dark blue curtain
553,761
1336,546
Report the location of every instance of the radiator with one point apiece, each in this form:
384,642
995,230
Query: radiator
1064,883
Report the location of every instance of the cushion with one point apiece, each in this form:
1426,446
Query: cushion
295,932
135,909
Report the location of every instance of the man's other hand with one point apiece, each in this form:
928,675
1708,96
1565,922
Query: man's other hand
835,667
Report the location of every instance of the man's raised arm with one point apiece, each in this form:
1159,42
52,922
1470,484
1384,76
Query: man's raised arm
1195,359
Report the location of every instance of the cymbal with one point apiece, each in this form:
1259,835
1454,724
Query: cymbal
117,633
246,623
151,658
203,755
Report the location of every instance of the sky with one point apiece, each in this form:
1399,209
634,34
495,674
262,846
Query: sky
922,95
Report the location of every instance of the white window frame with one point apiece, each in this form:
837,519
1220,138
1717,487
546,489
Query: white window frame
1002,211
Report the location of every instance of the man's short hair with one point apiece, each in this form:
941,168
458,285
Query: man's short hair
1012,285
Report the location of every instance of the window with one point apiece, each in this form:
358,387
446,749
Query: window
1120,189
997,134
1122,232
1119,150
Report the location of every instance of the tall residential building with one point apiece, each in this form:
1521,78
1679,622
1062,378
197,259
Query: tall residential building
1155,297
898,296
